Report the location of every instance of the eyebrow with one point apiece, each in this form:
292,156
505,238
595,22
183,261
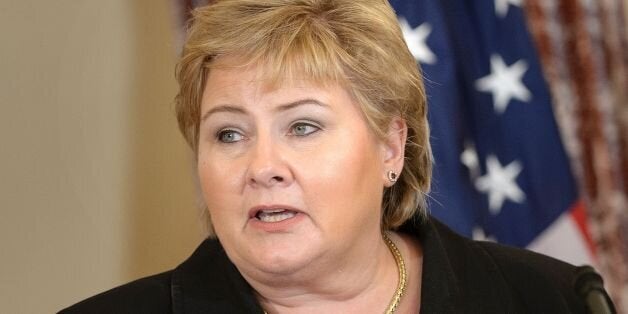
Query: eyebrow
280,108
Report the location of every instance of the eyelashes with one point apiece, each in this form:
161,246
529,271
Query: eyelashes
229,136
304,128
298,129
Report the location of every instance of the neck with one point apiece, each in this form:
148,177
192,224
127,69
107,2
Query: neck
361,279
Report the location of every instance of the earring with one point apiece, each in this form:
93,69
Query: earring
392,176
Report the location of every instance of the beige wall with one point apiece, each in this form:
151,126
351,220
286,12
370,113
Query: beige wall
96,186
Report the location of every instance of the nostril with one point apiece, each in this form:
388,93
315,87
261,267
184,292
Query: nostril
278,178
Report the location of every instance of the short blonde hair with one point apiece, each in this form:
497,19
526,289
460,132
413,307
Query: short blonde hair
355,43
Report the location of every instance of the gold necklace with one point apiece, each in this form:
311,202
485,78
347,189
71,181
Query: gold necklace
401,267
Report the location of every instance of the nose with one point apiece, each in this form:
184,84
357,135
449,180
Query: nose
268,167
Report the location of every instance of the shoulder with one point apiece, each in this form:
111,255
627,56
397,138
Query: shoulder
530,282
537,280
490,277
207,282
145,295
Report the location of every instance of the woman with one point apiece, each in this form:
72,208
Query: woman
308,120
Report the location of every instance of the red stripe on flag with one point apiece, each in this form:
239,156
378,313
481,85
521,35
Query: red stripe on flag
579,215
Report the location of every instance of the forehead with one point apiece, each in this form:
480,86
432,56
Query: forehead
230,77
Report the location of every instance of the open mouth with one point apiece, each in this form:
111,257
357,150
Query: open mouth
274,215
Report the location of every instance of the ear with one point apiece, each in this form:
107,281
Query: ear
393,147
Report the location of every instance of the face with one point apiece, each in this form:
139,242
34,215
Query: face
292,176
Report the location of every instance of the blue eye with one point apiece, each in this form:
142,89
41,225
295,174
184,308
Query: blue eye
229,136
303,129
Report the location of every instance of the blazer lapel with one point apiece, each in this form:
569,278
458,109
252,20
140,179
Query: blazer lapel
439,288
209,283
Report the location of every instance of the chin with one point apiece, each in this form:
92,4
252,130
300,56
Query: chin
284,267
282,260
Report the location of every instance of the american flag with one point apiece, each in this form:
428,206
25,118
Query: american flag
501,171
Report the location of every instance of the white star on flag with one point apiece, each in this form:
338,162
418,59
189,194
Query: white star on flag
499,182
469,158
478,234
501,6
504,83
416,40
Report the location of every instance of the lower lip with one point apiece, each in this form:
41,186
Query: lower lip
278,226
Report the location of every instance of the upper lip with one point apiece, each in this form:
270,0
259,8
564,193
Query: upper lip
255,209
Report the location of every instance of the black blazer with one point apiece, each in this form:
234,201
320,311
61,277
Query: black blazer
459,276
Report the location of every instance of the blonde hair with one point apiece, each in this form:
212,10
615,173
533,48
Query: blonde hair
355,43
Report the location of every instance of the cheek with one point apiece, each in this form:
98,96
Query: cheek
352,161
345,178
349,167
219,182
